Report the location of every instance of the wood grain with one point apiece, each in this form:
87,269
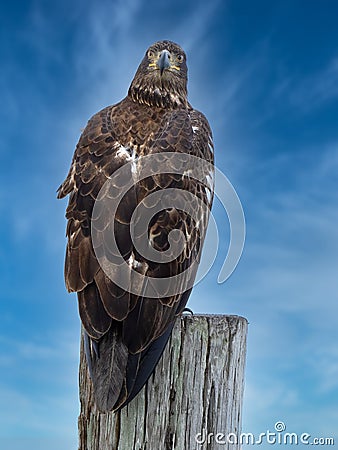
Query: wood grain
196,390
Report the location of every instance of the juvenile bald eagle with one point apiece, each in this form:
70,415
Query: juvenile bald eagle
125,333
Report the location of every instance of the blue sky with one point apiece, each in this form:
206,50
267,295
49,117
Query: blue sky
266,76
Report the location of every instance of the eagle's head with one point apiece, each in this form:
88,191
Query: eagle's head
161,79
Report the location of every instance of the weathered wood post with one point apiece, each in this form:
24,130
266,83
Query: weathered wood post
192,402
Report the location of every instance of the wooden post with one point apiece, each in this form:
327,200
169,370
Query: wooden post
195,393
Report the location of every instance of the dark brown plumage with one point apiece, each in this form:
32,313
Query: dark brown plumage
126,333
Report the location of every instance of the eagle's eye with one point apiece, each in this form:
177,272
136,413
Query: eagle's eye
150,54
180,58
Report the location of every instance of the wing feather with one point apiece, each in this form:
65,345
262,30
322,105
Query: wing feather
132,330
93,315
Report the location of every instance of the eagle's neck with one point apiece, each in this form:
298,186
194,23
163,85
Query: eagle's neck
162,97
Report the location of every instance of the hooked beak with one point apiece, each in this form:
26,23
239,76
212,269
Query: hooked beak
163,61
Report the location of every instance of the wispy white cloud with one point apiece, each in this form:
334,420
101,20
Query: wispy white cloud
286,285
316,89
39,398
23,414
193,33
61,344
270,400
322,358
286,282
298,92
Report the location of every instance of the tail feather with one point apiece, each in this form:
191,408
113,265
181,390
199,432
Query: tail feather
148,361
118,375
107,367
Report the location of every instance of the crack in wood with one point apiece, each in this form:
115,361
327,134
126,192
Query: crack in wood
197,387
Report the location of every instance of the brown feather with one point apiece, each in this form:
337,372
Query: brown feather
115,301
93,315
155,117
